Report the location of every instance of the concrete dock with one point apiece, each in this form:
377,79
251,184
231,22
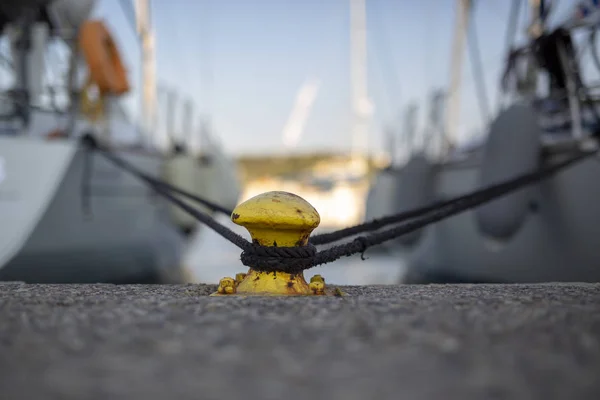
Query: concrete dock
379,342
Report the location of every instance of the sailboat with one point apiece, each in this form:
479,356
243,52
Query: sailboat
204,170
67,215
545,232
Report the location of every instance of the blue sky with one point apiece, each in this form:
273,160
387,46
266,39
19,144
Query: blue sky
242,62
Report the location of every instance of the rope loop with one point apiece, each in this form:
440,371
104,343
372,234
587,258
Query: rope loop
292,260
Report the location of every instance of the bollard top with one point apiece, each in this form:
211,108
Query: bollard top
275,219
271,212
283,210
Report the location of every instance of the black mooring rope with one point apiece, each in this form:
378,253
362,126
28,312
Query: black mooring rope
361,243
299,258
379,223
91,143
199,215
320,239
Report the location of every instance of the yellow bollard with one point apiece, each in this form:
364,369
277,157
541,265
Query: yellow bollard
275,219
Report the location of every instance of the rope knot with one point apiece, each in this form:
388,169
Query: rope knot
292,260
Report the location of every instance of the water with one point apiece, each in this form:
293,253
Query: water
210,258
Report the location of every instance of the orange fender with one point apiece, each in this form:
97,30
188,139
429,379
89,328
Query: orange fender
100,52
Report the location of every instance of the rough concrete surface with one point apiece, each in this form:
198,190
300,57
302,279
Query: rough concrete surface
379,342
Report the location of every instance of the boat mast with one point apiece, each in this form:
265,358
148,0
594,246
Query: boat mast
458,47
511,32
27,37
361,105
146,35
22,47
539,12
170,108
188,124
540,9
391,144
305,99
435,135
409,131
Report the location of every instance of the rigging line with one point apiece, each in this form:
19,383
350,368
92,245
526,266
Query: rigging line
317,64
156,182
334,20
376,224
386,58
182,59
293,261
477,68
487,192
207,75
509,39
429,42
460,206
129,13
170,98
163,190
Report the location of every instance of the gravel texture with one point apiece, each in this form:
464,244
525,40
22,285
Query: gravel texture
378,342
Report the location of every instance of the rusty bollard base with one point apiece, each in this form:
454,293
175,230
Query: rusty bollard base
257,283
276,219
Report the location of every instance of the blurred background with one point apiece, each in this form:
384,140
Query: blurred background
232,98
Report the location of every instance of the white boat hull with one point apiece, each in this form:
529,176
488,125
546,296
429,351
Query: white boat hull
558,241
213,178
47,235
382,201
